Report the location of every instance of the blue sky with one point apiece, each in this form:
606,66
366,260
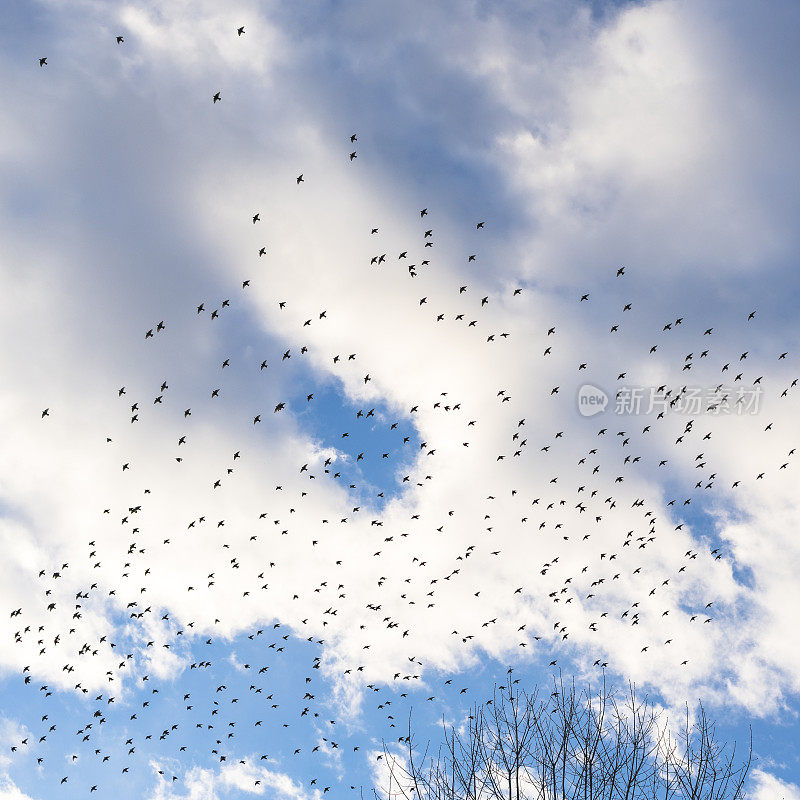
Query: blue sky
659,136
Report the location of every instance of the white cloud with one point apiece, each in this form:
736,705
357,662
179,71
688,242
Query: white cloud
769,787
198,782
244,777
10,791
239,775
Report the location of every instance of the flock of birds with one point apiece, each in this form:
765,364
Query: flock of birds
163,723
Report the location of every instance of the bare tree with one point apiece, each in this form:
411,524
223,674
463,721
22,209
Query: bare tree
570,745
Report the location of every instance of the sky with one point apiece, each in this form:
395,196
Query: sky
283,461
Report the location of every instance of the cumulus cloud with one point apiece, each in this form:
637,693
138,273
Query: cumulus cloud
766,786
10,791
207,784
639,155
